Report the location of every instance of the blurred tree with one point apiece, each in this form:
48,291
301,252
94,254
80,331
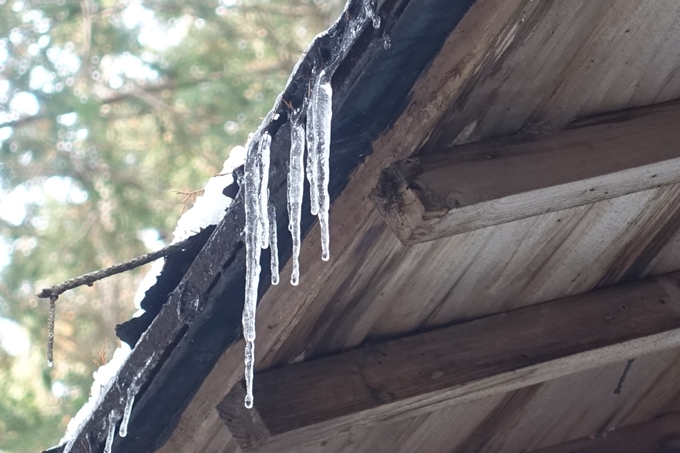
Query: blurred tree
105,108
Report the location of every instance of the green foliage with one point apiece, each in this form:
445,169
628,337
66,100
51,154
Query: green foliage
106,108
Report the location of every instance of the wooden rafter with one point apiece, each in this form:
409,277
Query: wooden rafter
437,195
306,402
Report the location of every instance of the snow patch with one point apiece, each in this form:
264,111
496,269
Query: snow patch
104,378
210,207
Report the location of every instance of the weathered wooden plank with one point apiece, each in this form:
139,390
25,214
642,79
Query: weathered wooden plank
470,187
510,65
661,435
303,403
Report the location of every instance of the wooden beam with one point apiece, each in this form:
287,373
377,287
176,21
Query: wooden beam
661,435
310,401
474,186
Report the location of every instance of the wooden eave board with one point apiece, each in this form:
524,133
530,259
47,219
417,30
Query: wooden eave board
547,414
510,65
568,59
402,378
431,196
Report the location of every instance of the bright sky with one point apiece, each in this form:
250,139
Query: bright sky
14,338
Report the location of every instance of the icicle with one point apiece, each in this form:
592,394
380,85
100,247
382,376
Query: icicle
387,42
265,145
250,360
254,238
50,330
132,391
113,419
259,228
296,180
370,14
273,245
129,402
322,108
312,156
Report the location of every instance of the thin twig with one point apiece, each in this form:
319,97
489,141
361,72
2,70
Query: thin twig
53,292
50,330
89,279
188,197
290,106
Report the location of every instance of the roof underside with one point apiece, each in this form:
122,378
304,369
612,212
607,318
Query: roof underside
507,67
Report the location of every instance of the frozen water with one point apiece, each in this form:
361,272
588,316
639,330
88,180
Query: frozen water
209,208
256,201
273,245
295,189
148,281
319,114
387,42
260,226
249,361
113,419
129,402
322,104
370,13
312,169
132,391
103,379
264,150
253,233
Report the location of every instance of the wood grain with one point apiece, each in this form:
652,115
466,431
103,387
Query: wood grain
470,187
510,66
661,435
402,378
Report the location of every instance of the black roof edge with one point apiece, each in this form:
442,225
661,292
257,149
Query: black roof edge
371,90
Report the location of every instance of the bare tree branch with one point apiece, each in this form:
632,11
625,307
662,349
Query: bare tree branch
89,279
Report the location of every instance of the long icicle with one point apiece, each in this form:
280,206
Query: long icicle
111,434
129,402
312,163
255,194
324,112
296,181
260,222
273,245
265,146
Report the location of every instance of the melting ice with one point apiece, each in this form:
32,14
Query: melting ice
256,199
296,180
113,419
132,391
260,216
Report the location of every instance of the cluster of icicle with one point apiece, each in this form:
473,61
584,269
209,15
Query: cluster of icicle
260,214
128,401
312,134
115,415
